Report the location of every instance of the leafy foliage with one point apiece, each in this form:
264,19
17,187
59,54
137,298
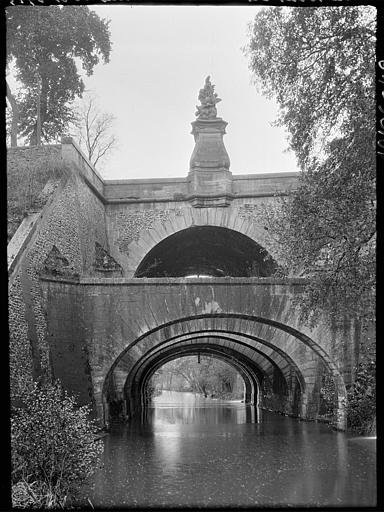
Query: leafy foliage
319,65
44,44
30,186
361,412
328,396
53,447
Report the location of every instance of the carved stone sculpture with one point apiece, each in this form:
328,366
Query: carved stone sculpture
208,99
56,264
104,261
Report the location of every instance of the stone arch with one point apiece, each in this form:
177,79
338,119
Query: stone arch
269,336
266,357
233,218
196,338
209,251
251,380
133,395
263,368
237,323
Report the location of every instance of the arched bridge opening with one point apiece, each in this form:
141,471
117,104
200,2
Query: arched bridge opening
283,369
134,394
208,251
281,374
191,361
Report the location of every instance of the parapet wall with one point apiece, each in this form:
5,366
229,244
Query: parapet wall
177,189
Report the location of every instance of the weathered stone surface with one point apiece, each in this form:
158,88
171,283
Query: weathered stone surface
150,193
127,320
208,100
71,222
209,153
56,264
104,261
103,332
210,182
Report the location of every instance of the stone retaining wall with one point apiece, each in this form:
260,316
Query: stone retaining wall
73,222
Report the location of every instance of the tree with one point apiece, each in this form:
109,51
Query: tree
44,43
94,130
318,63
12,120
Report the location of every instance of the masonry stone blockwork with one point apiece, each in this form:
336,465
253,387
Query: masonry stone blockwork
84,308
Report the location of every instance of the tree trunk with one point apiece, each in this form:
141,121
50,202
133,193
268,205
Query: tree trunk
15,117
38,121
41,106
33,137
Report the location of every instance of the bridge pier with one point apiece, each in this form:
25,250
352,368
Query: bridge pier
105,413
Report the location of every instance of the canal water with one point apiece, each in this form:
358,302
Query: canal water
190,451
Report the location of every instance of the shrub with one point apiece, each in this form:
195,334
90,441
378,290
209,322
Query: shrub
327,396
361,411
26,182
53,447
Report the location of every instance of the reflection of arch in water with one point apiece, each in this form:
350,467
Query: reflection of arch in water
185,412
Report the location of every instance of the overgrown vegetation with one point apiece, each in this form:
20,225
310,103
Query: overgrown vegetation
53,448
361,412
25,185
328,396
319,65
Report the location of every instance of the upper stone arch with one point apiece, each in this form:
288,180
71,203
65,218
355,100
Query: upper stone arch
207,251
239,219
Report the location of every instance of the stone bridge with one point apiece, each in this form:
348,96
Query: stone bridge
109,280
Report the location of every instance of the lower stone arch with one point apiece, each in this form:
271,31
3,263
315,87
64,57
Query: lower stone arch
251,381
193,344
289,341
192,336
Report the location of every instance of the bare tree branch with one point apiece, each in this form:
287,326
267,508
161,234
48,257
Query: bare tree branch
94,130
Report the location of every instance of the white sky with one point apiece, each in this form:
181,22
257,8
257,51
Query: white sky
160,58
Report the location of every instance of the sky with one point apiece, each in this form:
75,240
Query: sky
160,58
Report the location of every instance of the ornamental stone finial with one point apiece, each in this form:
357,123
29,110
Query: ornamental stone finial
208,99
209,177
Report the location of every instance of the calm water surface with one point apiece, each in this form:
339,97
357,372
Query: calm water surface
191,451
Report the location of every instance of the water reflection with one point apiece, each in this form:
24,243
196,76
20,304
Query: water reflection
226,454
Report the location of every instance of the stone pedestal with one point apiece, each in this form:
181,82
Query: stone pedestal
209,178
